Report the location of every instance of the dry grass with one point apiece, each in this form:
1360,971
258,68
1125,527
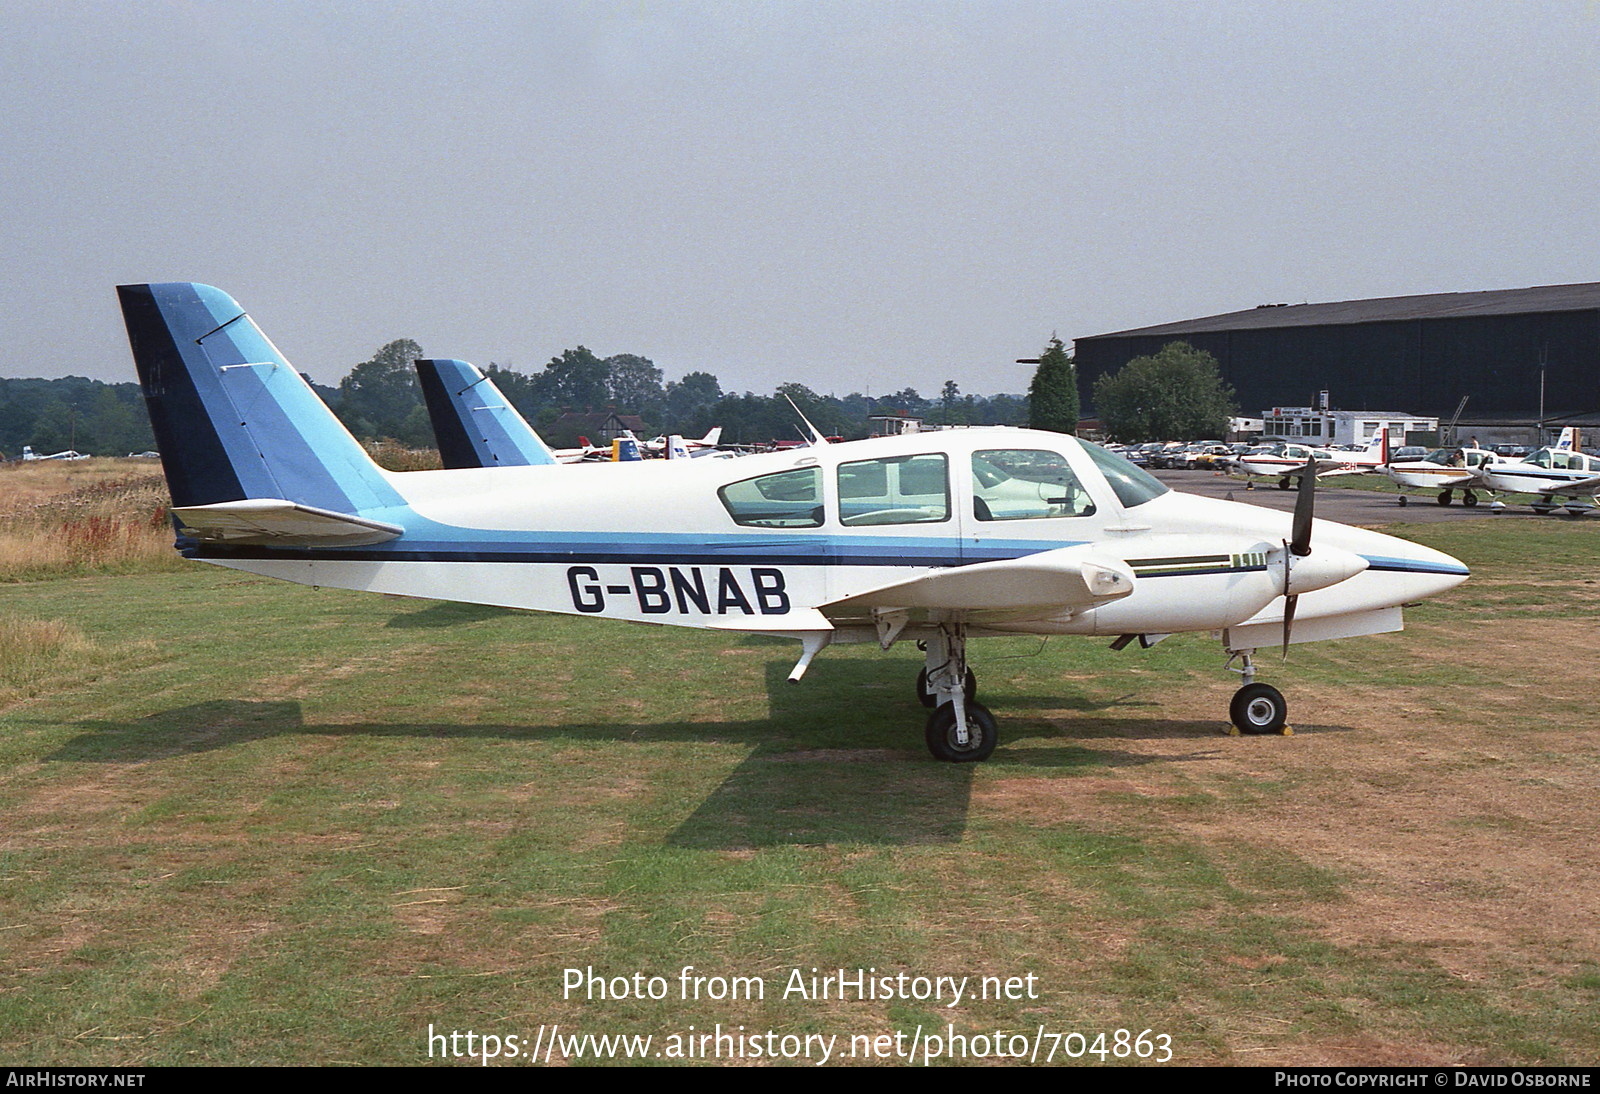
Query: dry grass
36,652
61,518
394,456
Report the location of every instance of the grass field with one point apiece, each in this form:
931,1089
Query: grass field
249,822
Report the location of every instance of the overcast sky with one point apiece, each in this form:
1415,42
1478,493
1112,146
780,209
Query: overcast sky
855,196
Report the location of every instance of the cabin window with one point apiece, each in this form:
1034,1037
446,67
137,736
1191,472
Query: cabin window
788,499
899,490
1025,484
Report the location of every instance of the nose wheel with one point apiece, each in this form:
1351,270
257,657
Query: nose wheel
1255,708
1259,708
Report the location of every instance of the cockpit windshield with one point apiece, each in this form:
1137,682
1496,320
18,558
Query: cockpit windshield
1132,484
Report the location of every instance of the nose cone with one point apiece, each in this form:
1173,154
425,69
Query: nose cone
1398,571
1420,571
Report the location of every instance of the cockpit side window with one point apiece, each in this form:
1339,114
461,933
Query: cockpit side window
896,490
1025,484
787,499
1133,485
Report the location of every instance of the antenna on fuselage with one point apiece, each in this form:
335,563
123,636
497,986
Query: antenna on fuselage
816,434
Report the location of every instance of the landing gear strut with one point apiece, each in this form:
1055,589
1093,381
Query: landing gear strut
1255,708
960,729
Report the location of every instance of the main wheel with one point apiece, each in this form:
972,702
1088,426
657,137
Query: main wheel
1444,497
930,700
1402,499
1283,483
1469,499
982,734
1259,708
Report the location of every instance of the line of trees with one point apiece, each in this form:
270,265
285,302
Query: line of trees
379,399
73,412
1176,394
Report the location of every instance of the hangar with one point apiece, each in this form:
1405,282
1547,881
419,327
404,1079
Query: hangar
1521,355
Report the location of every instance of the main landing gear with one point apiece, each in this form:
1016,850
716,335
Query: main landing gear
1255,708
960,729
1468,498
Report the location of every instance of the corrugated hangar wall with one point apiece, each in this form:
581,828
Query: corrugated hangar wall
1420,366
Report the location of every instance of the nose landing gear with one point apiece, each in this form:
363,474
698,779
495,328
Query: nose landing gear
1256,708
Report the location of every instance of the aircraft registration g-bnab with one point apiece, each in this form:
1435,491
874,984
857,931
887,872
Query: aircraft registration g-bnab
929,537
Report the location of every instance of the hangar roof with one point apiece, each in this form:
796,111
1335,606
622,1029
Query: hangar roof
1450,305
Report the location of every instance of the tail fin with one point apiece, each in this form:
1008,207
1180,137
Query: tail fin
625,449
1569,440
675,448
474,423
1378,444
712,436
232,419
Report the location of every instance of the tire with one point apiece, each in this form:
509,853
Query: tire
1402,499
982,734
1469,499
929,700
1283,483
1259,708
1444,497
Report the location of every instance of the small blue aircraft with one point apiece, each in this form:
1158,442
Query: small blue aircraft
931,537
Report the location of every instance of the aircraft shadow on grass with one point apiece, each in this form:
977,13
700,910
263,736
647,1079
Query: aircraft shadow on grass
448,613
832,764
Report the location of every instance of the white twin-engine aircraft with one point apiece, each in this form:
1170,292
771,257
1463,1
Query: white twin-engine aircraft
929,537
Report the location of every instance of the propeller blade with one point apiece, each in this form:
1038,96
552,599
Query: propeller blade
1300,544
1288,621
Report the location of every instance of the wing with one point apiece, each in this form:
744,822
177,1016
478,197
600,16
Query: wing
281,523
1581,486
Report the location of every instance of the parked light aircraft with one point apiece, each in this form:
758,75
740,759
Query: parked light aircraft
929,537
1444,470
1553,473
1284,462
29,454
693,446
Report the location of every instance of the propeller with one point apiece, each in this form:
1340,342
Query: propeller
1299,545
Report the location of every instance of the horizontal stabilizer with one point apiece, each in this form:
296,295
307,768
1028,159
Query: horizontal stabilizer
281,524
1054,580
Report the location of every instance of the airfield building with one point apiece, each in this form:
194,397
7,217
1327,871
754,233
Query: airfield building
1520,355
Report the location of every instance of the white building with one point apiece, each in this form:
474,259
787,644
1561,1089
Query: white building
1316,426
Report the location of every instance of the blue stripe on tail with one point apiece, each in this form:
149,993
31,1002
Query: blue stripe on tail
232,418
